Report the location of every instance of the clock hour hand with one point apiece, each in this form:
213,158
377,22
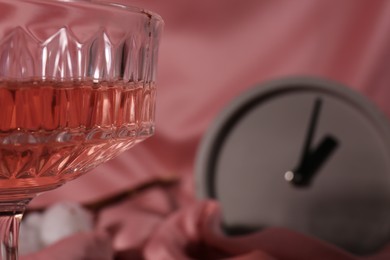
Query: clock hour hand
312,159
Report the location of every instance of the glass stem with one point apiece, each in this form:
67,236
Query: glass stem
11,213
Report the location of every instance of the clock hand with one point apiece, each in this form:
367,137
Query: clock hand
312,160
306,170
312,127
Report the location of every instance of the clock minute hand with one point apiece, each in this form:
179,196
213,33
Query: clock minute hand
311,130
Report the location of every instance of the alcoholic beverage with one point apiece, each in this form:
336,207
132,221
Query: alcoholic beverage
54,131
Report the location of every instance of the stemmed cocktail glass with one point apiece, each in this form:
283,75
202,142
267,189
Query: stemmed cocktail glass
77,87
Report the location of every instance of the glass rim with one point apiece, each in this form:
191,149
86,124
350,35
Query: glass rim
112,4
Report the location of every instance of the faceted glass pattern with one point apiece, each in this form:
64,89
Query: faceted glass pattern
77,87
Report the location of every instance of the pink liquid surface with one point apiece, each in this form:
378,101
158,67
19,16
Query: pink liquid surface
54,132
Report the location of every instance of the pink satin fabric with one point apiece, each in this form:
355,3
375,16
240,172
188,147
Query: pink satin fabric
82,246
141,229
212,51
197,235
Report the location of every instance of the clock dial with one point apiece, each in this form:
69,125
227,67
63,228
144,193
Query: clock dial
305,154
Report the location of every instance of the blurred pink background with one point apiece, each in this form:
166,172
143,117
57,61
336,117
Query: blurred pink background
211,51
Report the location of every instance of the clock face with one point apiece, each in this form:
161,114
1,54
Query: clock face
305,154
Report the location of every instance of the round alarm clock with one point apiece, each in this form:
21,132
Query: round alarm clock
303,153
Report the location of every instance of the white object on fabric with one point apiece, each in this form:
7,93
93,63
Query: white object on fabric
62,220
30,240
59,221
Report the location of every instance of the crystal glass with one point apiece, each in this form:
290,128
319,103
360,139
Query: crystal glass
77,88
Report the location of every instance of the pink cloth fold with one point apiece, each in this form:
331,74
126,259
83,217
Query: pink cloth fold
131,222
194,233
82,246
148,227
